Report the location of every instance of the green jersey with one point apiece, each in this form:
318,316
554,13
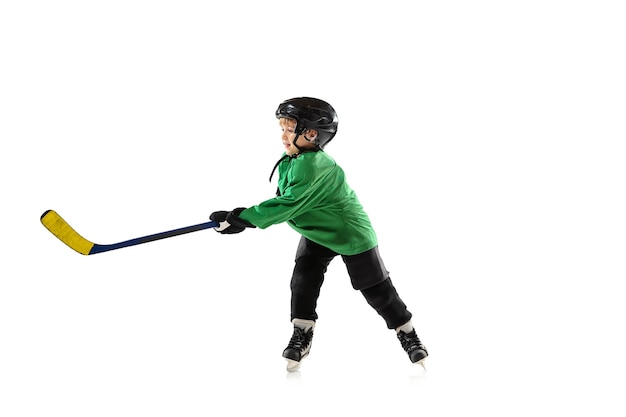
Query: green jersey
315,200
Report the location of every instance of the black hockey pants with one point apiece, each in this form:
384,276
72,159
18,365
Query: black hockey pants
367,274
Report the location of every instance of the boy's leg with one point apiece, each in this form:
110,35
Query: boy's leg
312,261
369,275
384,298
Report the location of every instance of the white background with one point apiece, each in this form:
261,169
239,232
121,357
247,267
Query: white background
485,139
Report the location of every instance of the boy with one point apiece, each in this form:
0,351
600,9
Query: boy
315,200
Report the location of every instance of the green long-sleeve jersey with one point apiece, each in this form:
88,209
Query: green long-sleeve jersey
315,200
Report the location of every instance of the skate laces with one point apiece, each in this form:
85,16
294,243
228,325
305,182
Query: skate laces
300,339
409,341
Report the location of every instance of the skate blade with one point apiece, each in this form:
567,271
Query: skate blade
292,365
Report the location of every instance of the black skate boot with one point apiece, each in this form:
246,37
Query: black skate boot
298,347
414,348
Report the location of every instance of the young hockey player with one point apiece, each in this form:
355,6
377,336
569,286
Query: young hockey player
315,200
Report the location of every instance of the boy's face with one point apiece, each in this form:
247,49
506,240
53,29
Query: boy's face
304,141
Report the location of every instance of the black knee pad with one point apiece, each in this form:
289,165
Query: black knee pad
384,298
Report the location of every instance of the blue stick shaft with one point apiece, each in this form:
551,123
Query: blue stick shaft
137,241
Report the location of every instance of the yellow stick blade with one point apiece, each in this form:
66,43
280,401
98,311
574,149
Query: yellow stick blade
61,229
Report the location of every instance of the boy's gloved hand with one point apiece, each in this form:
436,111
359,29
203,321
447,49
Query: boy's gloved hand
229,221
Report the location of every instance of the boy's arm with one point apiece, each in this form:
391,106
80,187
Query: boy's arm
307,183
304,191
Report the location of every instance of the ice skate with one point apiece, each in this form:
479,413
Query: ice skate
413,347
298,348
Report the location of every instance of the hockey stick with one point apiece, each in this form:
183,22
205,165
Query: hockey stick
61,229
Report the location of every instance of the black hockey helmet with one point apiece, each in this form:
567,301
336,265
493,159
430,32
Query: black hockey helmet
310,113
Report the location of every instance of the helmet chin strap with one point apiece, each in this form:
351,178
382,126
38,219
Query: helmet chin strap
300,132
